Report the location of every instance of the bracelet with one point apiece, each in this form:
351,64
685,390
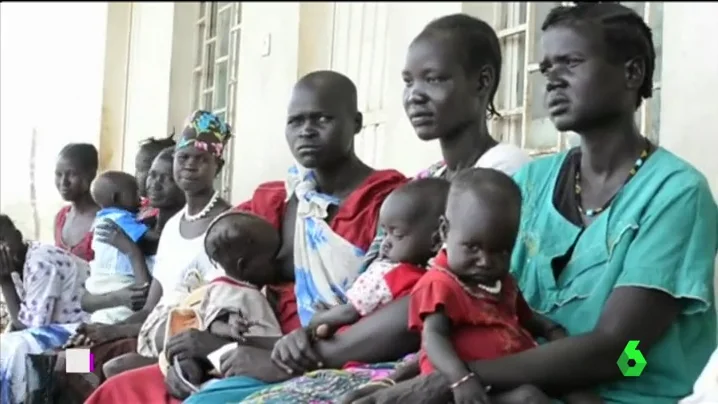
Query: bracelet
462,380
386,382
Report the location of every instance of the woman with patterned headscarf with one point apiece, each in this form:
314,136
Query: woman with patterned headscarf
181,263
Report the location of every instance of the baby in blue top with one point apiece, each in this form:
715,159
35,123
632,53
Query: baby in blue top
117,194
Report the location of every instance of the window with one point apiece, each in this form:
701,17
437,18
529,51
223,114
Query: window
214,84
524,120
359,51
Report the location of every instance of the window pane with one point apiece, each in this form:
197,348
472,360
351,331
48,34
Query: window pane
654,122
522,12
223,32
656,23
521,58
508,129
207,102
212,19
540,10
511,83
541,133
200,42
196,90
210,65
503,18
220,86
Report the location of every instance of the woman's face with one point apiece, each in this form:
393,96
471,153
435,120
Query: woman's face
194,170
438,97
583,87
162,190
143,163
70,180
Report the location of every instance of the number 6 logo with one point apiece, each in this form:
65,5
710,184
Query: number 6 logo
631,352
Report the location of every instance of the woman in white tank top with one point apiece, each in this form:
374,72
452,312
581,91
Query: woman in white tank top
181,263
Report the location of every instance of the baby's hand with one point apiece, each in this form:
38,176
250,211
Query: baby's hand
233,328
470,392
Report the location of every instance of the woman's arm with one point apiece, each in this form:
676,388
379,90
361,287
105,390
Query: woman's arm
110,233
153,297
91,303
382,336
335,317
436,338
139,266
631,313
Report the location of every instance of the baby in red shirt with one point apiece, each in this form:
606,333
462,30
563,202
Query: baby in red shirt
467,306
410,218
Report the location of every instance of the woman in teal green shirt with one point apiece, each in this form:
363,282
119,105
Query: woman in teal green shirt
618,236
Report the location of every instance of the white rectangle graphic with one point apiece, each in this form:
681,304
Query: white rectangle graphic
79,360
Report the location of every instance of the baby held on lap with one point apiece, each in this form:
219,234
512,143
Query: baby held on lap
118,196
231,306
409,217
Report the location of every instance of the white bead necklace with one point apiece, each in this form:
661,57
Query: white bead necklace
202,213
494,290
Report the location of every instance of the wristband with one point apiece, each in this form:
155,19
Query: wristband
462,380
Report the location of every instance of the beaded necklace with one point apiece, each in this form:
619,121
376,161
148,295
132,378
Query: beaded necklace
577,185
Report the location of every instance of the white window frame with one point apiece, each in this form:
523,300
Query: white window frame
208,16
505,127
359,50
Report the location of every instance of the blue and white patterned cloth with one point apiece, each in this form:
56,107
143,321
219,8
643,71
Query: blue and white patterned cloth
15,381
108,259
111,269
325,264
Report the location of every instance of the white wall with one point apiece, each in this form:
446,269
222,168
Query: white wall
148,76
51,70
689,125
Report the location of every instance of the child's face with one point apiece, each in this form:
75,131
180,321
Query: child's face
128,199
409,239
478,241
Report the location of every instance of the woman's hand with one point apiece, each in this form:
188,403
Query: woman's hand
470,392
100,333
109,233
295,351
193,344
133,296
192,372
253,362
428,389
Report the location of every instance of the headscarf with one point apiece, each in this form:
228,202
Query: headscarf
205,131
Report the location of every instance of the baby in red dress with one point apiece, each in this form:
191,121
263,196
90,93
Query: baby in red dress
467,306
410,218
